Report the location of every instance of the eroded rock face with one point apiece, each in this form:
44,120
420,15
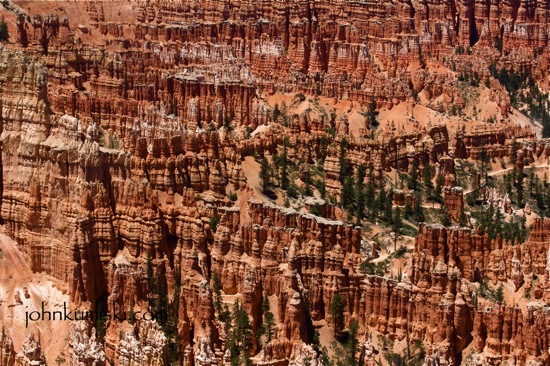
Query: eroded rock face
7,350
454,200
31,352
85,348
144,346
123,131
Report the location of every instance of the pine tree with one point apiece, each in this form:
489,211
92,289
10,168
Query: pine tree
408,209
352,343
275,168
381,201
100,329
312,334
418,211
388,216
322,188
284,165
241,336
216,289
265,305
439,188
265,174
413,182
345,168
519,188
4,33
397,226
268,320
336,310
360,192
498,222
498,294
347,193
445,216
171,327
462,220
372,115
428,180
371,206
276,112
151,280
225,318
131,313
161,305
307,183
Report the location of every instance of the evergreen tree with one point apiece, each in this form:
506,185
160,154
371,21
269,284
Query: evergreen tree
439,188
225,318
214,221
484,168
241,341
408,209
418,211
345,168
372,205
161,304
265,174
336,310
513,152
413,181
307,183
4,33
131,313
276,112
445,216
499,294
216,289
347,193
360,193
381,201
352,343
268,320
462,220
284,165
171,327
275,168
428,180
498,222
519,188
151,280
388,215
312,333
322,187
397,226
269,325
372,115
100,329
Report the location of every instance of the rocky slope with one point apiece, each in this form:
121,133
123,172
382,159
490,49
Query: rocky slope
126,126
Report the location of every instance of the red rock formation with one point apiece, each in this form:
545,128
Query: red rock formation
7,351
454,200
125,125
85,348
31,352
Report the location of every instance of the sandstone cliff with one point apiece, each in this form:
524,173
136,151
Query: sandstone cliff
125,125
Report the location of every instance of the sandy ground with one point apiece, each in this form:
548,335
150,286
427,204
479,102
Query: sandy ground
22,291
520,119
